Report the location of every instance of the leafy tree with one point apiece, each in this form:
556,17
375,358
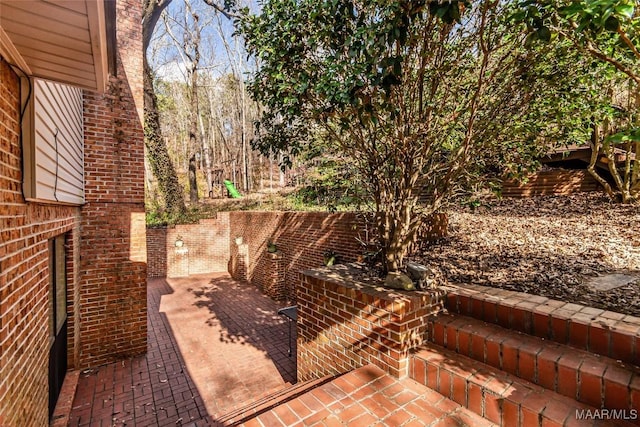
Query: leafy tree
607,31
328,179
565,91
412,91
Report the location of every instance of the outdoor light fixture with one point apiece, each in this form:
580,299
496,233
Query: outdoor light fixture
180,248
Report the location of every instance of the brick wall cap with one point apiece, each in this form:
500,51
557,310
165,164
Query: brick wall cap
575,312
347,275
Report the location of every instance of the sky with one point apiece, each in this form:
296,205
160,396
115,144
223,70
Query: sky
164,54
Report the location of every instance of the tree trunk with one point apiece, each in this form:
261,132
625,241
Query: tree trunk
193,183
193,139
206,152
192,49
397,230
159,159
158,155
270,172
245,160
595,152
635,174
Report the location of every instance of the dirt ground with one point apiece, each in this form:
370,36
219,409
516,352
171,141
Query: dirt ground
550,246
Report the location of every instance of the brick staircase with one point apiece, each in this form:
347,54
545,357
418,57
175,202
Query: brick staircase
518,359
494,357
366,396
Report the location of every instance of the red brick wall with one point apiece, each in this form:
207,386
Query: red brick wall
343,325
24,276
157,247
551,182
272,281
106,245
113,243
301,238
205,249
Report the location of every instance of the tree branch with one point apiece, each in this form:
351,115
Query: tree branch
229,14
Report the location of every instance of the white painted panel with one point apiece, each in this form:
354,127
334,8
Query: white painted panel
43,15
75,5
29,36
57,40
59,142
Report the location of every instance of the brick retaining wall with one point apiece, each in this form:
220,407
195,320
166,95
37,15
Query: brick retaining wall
301,239
344,324
237,242
558,182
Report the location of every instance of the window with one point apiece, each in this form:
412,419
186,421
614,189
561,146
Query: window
57,318
57,285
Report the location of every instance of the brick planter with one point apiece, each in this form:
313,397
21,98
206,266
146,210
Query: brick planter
344,324
272,282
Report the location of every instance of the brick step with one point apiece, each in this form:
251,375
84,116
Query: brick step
270,400
364,397
592,379
500,397
606,333
273,392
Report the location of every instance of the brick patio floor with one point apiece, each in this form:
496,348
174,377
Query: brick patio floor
213,345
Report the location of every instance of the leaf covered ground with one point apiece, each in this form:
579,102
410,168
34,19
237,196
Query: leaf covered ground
549,246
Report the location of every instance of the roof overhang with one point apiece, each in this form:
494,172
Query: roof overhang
65,41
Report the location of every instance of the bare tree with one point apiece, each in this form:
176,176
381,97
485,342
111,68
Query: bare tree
157,154
187,43
205,112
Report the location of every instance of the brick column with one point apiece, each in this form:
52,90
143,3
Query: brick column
270,279
239,259
113,317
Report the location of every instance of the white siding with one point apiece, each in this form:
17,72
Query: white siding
58,143
62,40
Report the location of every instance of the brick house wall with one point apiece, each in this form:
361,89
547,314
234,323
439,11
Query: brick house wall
113,250
24,276
105,240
